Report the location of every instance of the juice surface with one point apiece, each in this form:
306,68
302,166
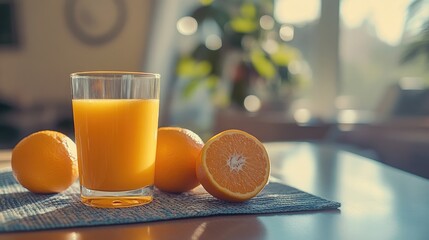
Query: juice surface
116,142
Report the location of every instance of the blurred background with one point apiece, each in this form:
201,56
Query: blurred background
350,72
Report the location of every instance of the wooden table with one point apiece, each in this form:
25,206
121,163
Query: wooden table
378,202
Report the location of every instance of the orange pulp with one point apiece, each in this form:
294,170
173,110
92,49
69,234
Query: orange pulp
116,142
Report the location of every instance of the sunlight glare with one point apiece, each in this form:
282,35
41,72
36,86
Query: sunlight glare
302,115
412,83
270,46
213,42
187,25
252,103
387,16
347,116
198,232
295,67
73,236
296,11
286,32
266,22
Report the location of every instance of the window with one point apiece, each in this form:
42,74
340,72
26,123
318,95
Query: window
374,36
350,49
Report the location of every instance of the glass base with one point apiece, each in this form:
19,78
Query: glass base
122,199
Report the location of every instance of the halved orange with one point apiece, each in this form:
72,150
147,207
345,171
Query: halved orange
233,166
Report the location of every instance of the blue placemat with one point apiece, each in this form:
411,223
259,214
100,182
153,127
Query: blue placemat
21,210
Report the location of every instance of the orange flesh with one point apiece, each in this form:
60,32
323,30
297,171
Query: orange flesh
235,166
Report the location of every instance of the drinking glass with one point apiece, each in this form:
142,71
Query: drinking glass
115,117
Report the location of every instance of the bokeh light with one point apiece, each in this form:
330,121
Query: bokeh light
187,25
296,11
348,116
386,16
286,32
270,46
295,67
252,103
266,22
213,42
302,115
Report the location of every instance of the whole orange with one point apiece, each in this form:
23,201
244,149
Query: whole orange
45,162
176,154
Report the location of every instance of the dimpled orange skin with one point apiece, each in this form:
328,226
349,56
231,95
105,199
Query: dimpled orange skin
176,154
45,162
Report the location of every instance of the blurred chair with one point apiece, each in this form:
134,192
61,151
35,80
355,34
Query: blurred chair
400,133
408,98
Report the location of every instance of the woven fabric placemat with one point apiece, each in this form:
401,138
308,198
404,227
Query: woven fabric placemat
21,210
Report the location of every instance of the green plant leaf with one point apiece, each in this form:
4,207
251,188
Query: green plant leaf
190,87
206,2
248,10
284,55
210,11
243,25
185,67
262,65
202,68
212,82
189,68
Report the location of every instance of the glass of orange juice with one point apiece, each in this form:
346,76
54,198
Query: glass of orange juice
116,122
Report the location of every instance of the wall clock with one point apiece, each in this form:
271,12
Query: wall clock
97,21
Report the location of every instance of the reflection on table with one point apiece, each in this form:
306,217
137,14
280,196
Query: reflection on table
378,202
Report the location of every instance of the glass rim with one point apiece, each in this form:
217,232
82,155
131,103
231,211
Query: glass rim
112,72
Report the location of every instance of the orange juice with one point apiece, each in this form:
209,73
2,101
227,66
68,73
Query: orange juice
116,142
